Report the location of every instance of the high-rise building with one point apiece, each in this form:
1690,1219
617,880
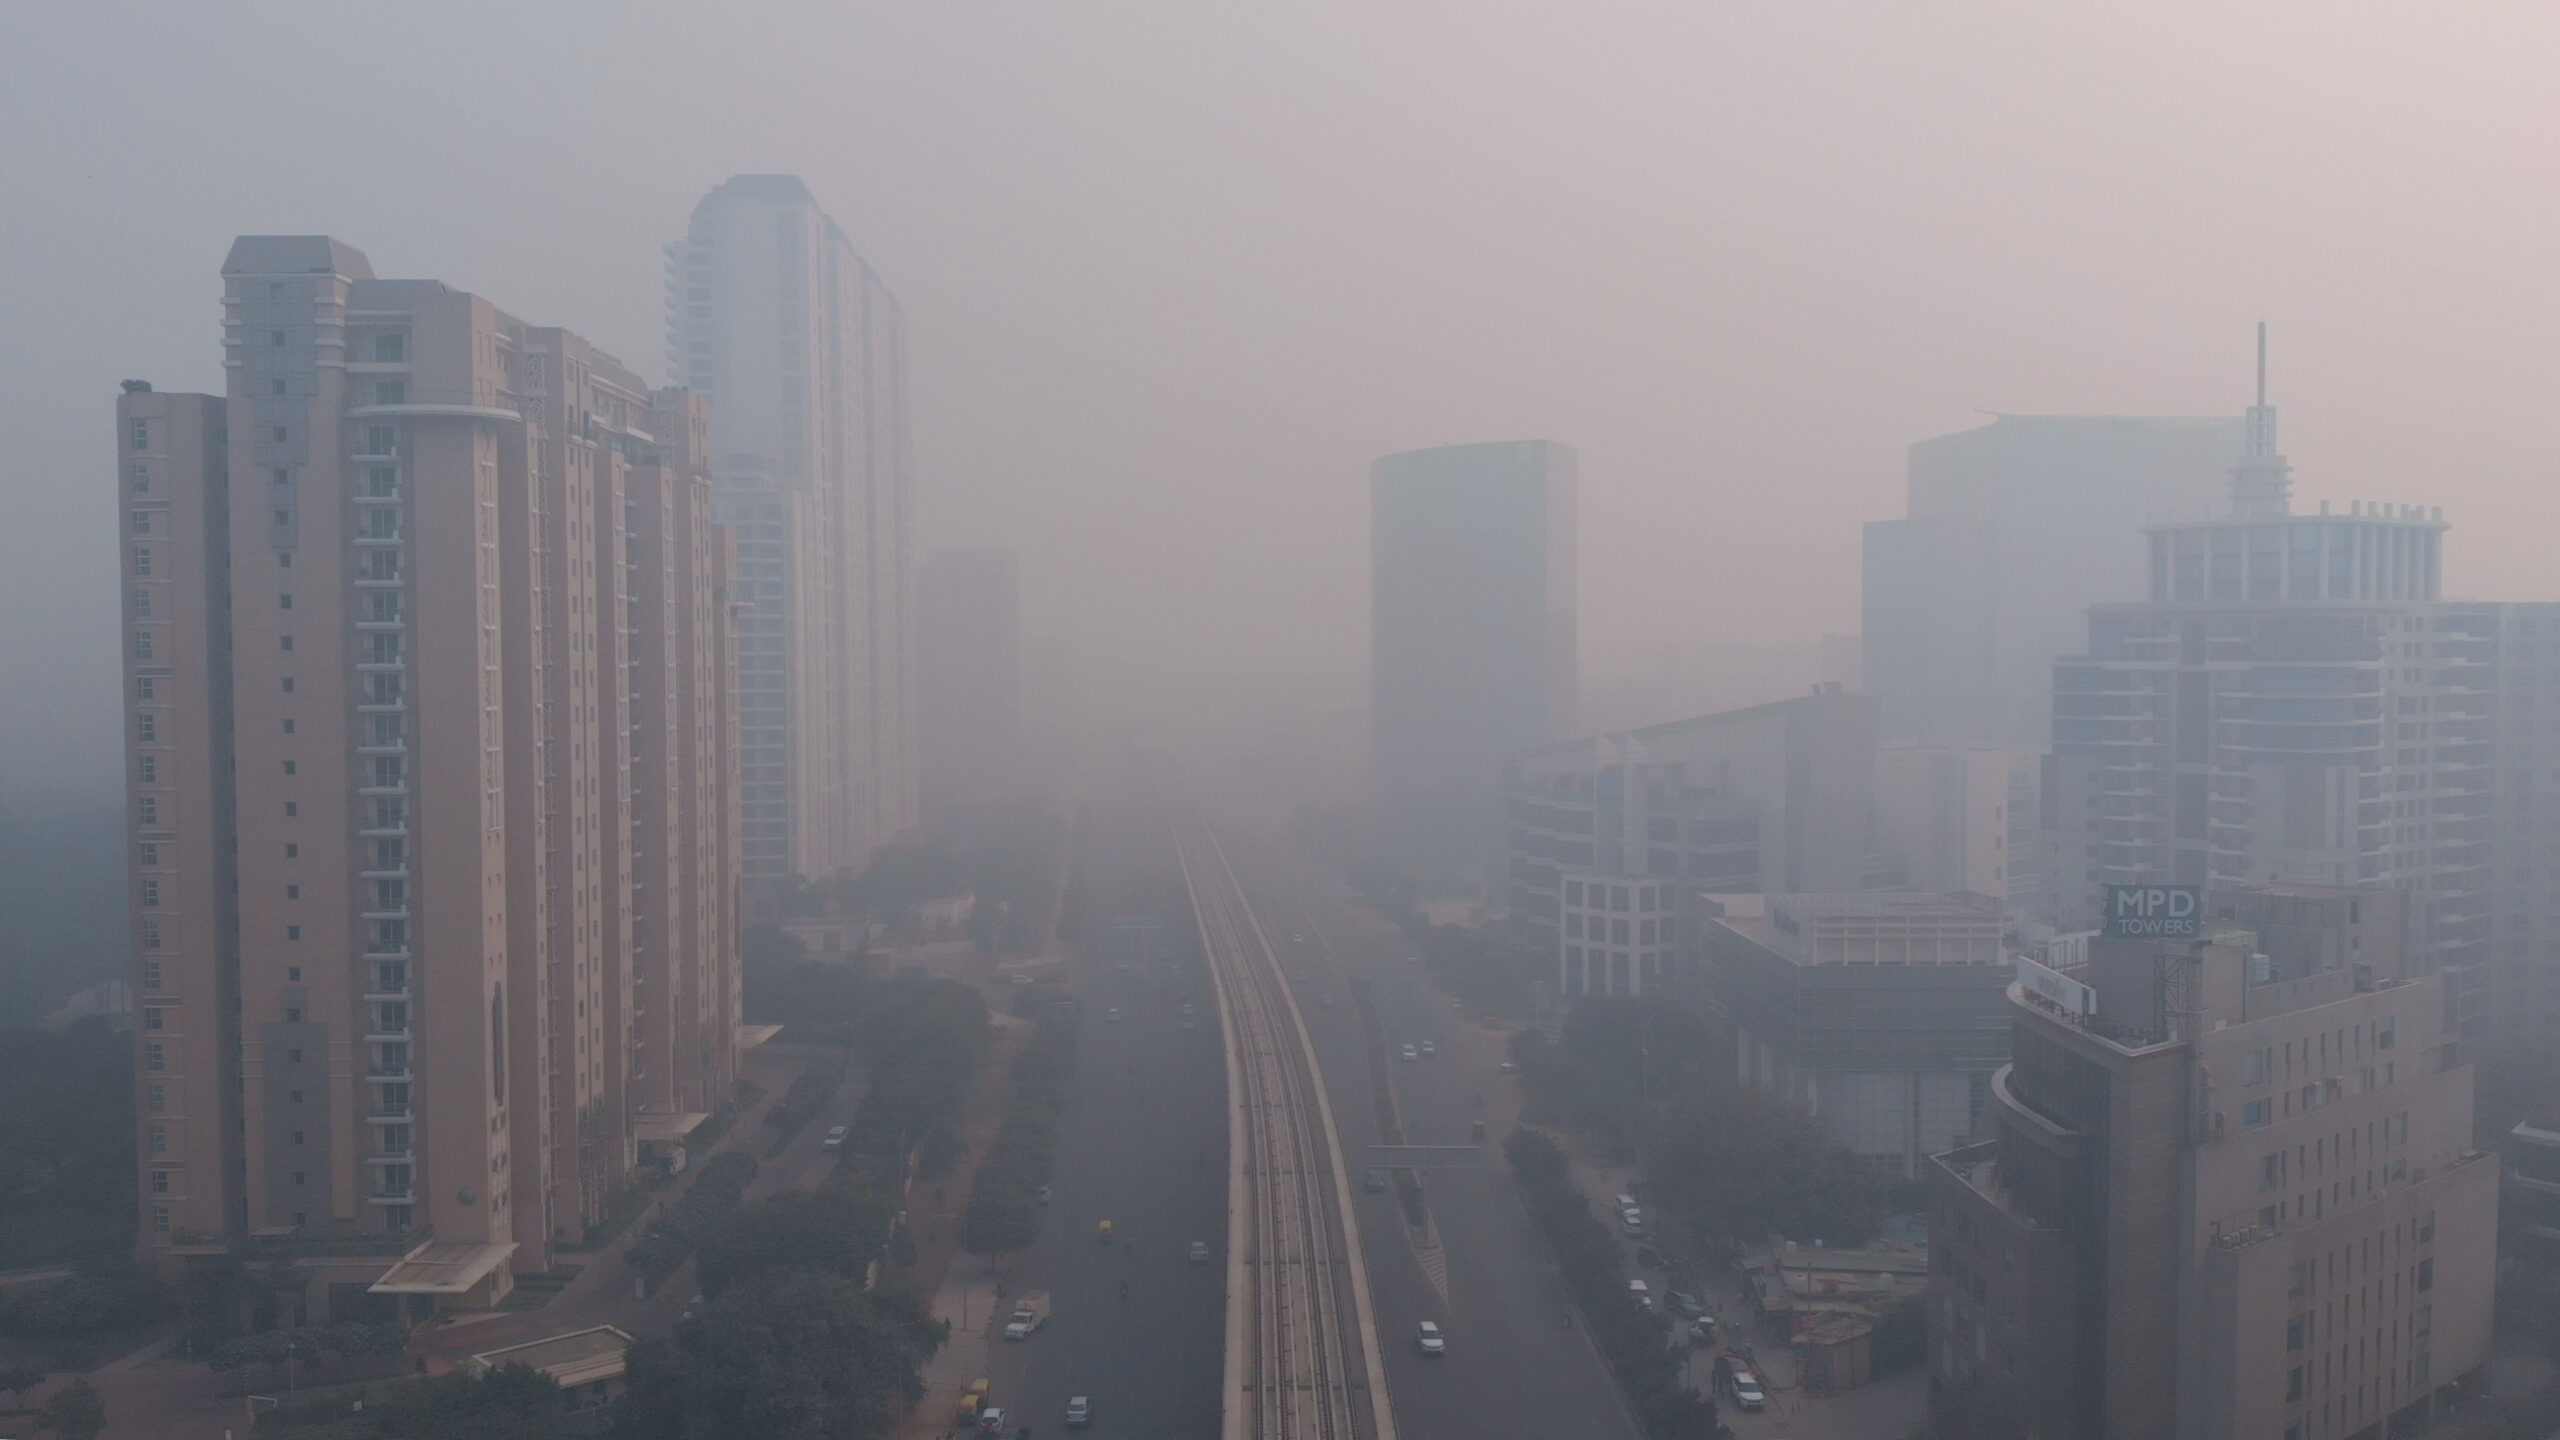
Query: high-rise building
427,692
969,675
2290,703
1471,638
2013,528
2229,1194
802,351
1772,798
2518,645
1953,817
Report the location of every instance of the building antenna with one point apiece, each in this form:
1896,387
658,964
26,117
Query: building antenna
2262,363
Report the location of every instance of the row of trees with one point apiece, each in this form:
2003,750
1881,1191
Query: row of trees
716,1190
1636,1341
1003,1215
1005,854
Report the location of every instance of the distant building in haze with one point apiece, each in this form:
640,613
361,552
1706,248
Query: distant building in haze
2013,528
427,686
1472,638
969,674
802,351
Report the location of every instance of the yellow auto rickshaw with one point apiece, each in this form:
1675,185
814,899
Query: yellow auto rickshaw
1102,1232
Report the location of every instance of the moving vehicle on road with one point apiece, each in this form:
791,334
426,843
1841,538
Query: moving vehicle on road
1102,1232
1684,1303
836,1136
1510,1067
1199,1252
1411,1053
1114,1012
972,1401
1427,1335
1375,1182
1029,1314
1429,1049
1080,1410
1478,1131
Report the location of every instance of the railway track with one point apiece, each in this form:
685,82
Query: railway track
1302,1347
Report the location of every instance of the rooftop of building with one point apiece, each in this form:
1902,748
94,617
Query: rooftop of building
1831,690
1843,928
296,255
579,1357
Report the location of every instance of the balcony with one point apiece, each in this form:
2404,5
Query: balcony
380,1076
392,1197
400,1036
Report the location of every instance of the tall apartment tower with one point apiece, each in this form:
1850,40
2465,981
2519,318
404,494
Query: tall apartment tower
969,674
2291,703
775,319
2013,528
1471,638
2232,1191
427,691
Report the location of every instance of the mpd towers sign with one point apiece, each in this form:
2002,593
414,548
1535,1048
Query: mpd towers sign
2154,912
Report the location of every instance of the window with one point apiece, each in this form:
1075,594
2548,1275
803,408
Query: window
275,337
293,1137
285,601
150,891
142,604
141,644
288,767
2293,1383
293,1014
2426,1274
390,392
293,932
150,974
2271,1171
288,684
159,1139
141,559
146,727
145,688
141,522
293,973
293,1097
288,641
141,478
288,726
158,1099
291,809
281,436
293,892
160,1219
151,934
2427,1229
155,1056
141,432
293,1057
159,1182
291,850
390,349
2294,1331
148,766
151,1018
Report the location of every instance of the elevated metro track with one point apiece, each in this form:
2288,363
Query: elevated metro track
1302,1358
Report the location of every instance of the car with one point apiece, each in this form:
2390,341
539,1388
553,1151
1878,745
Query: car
1745,1389
835,1137
1199,1252
1188,1007
991,1422
1115,1012
1429,1049
1427,1335
1375,1182
1080,1410
1651,1259
1641,1293
1410,1053
1297,939
1510,1067
1626,1203
1188,1025
1703,1331
1631,1222
1684,1303
1021,979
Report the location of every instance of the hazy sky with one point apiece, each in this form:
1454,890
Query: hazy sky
1177,272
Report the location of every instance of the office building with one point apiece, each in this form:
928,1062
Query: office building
427,698
1953,819
1884,1015
2291,702
801,350
969,676
1472,635
2012,529
1775,797
2221,1201
2518,649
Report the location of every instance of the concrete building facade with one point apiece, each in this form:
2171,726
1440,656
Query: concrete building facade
427,926
1472,636
1882,1014
1775,797
2013,528
776,320
2221,1201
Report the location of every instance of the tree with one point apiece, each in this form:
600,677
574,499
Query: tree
838,1230
75,1412
796,1356
19,1379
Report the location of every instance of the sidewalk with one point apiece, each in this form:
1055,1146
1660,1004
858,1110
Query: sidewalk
964,1286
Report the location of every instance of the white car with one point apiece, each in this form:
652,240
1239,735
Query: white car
835,1137
1428,1336
1080,1410
1115,1012
1429,1049
1199,1252
1411,1053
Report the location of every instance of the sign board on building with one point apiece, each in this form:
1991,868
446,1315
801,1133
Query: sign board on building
2154,912
2057,989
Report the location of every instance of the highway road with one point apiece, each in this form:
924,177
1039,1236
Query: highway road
1515,1365
1142,1144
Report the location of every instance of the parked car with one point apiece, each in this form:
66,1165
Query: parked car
836,1137
1702,1331
1199,1252
991,1422
1428,1336
1080,1410
1510,1067
1684,1303
1631,1221
1626,1203
1641,1293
